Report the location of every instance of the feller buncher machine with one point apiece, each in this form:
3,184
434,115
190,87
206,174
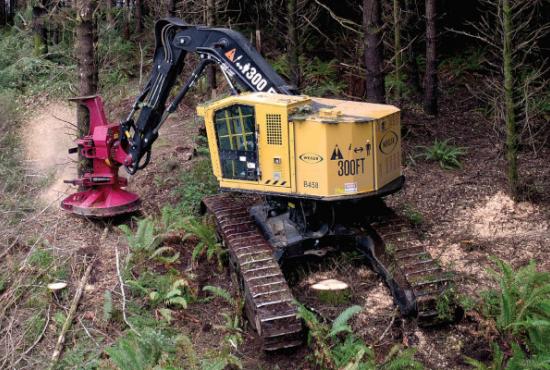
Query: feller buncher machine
299,176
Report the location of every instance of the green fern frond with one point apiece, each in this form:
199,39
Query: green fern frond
308,316
221,293
180,283
340,324
158,255
475,364
445,154
180,301
198,251
133,352
166,314
174,292
399,359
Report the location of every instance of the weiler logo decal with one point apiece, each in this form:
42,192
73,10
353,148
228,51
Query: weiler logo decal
311,158
388,142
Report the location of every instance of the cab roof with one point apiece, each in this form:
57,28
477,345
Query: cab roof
302,107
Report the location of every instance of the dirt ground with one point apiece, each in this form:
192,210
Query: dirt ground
466,213
47,136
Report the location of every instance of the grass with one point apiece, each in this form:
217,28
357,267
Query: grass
414,216
14,205
195,184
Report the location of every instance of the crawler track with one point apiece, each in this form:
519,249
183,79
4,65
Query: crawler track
268,299
396,252
417,270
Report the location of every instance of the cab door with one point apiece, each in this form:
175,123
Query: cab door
236,136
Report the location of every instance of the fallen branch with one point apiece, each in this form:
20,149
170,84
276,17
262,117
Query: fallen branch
387,328
122,292
70,316
6,251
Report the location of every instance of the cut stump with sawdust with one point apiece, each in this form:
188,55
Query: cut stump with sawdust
332,291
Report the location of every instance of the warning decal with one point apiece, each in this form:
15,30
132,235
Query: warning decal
230,54
336,154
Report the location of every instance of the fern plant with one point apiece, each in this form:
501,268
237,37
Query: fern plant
164,292
447,155
322,336
232,321
221,293
221,361
400,359
208,243
521,305
517,361
143,241
322,77
133,352
173,219
152,349
337,347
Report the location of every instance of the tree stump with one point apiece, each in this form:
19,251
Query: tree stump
332,291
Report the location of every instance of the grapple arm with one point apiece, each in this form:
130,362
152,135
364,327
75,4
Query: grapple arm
237,59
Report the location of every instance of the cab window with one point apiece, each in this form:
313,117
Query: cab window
236,134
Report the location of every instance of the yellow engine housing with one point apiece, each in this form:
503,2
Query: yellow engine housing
300,146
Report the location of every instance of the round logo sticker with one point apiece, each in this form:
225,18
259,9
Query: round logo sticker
310,158
388,142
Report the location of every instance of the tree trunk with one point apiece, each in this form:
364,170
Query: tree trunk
509,112
11,11
109,12
293,54
87,66
409,34
211,70
374,57
172,8
139,16
3,17
430,94
40,31
127,14
397,48
258,39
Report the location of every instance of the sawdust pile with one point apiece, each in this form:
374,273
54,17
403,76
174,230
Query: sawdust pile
379,301
501,217
47,136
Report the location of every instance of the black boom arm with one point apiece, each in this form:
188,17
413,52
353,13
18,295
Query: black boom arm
235,56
